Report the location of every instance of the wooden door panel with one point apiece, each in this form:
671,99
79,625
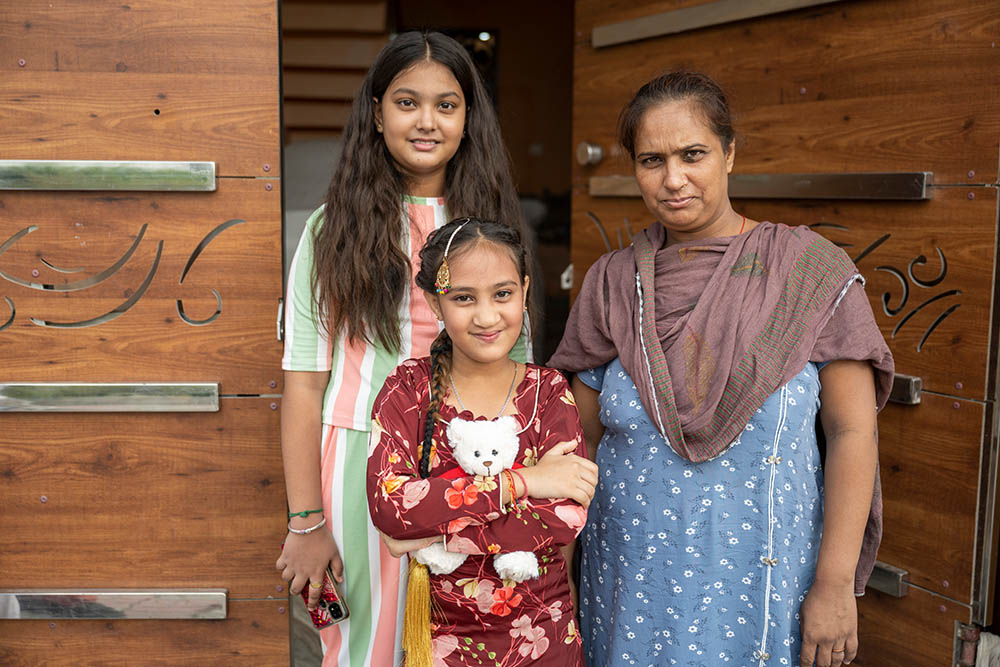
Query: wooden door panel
229,37
254,633
951,359
931,490
157,500
149,342
912,631
816,95
229,119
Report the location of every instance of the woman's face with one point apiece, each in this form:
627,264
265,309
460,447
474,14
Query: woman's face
422,119
682,169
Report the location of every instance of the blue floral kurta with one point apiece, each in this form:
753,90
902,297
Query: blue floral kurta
700,564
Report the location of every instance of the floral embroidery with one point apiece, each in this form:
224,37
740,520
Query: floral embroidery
461,491
504,601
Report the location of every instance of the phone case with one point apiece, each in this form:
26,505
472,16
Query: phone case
332,607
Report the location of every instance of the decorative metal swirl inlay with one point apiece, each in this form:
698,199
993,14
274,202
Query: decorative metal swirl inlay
187,267
101,276
10,320
905,281
907,278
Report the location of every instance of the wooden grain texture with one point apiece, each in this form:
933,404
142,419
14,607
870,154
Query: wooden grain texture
316,114
144,500
343,17
592,13
354,52
255,633
930,478
856,86
229,119
913,631
149,342
308,84
955,351
159,36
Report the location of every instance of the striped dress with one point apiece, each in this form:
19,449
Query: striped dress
375,582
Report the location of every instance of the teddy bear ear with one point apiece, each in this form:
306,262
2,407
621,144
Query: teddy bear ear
458,429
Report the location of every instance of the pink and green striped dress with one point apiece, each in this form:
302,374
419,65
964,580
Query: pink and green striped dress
375,582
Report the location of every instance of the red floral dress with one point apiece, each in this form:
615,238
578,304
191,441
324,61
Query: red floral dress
479,619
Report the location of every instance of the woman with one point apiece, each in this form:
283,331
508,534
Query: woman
706,354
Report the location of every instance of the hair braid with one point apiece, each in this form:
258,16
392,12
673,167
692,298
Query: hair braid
440,363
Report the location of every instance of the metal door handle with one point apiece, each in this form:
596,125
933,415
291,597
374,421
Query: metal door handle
588,153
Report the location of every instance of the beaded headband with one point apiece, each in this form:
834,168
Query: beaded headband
443,282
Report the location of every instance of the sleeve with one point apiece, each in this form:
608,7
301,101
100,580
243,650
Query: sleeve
403,505
586,339
307,347
593,377
521,352
539,522
851,333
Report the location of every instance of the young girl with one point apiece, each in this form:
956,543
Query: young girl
473,277
422,136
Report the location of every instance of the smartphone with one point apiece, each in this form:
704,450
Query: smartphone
332,607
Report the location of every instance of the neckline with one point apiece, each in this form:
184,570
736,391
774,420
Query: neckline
530,374
427,201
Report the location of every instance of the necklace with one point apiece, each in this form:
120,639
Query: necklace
744,223
510,392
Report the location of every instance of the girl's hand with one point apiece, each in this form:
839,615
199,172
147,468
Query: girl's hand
304,560
399,547
829,625
562,474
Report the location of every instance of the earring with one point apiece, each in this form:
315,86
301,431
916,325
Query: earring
378,127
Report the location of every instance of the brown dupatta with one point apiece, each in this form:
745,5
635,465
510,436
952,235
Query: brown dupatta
709,329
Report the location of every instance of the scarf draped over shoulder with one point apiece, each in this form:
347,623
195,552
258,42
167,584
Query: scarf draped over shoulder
709,329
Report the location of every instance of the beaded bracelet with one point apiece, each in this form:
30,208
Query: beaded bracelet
305,513
306,531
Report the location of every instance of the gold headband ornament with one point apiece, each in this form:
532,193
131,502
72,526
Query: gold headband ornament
443,282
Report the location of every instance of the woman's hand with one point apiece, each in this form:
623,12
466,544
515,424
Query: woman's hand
304,560
562,474
829,625
399,547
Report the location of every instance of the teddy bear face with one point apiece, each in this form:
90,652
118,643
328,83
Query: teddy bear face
484,447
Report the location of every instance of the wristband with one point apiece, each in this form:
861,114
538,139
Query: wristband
523,483
305,513
306,531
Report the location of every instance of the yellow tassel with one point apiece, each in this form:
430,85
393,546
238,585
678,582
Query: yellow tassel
417,618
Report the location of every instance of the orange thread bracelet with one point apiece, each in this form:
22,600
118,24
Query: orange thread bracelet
523,483
512,490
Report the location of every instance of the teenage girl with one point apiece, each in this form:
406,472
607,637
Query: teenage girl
474,279
422,137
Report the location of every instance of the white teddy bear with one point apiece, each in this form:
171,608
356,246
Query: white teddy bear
482,448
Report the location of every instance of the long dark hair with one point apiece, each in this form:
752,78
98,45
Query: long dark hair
682,85
360,273
470,231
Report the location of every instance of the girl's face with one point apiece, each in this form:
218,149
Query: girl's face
422,119
484,310
682,169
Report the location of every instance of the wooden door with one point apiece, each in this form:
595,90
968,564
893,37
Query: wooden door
149,286
839,88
